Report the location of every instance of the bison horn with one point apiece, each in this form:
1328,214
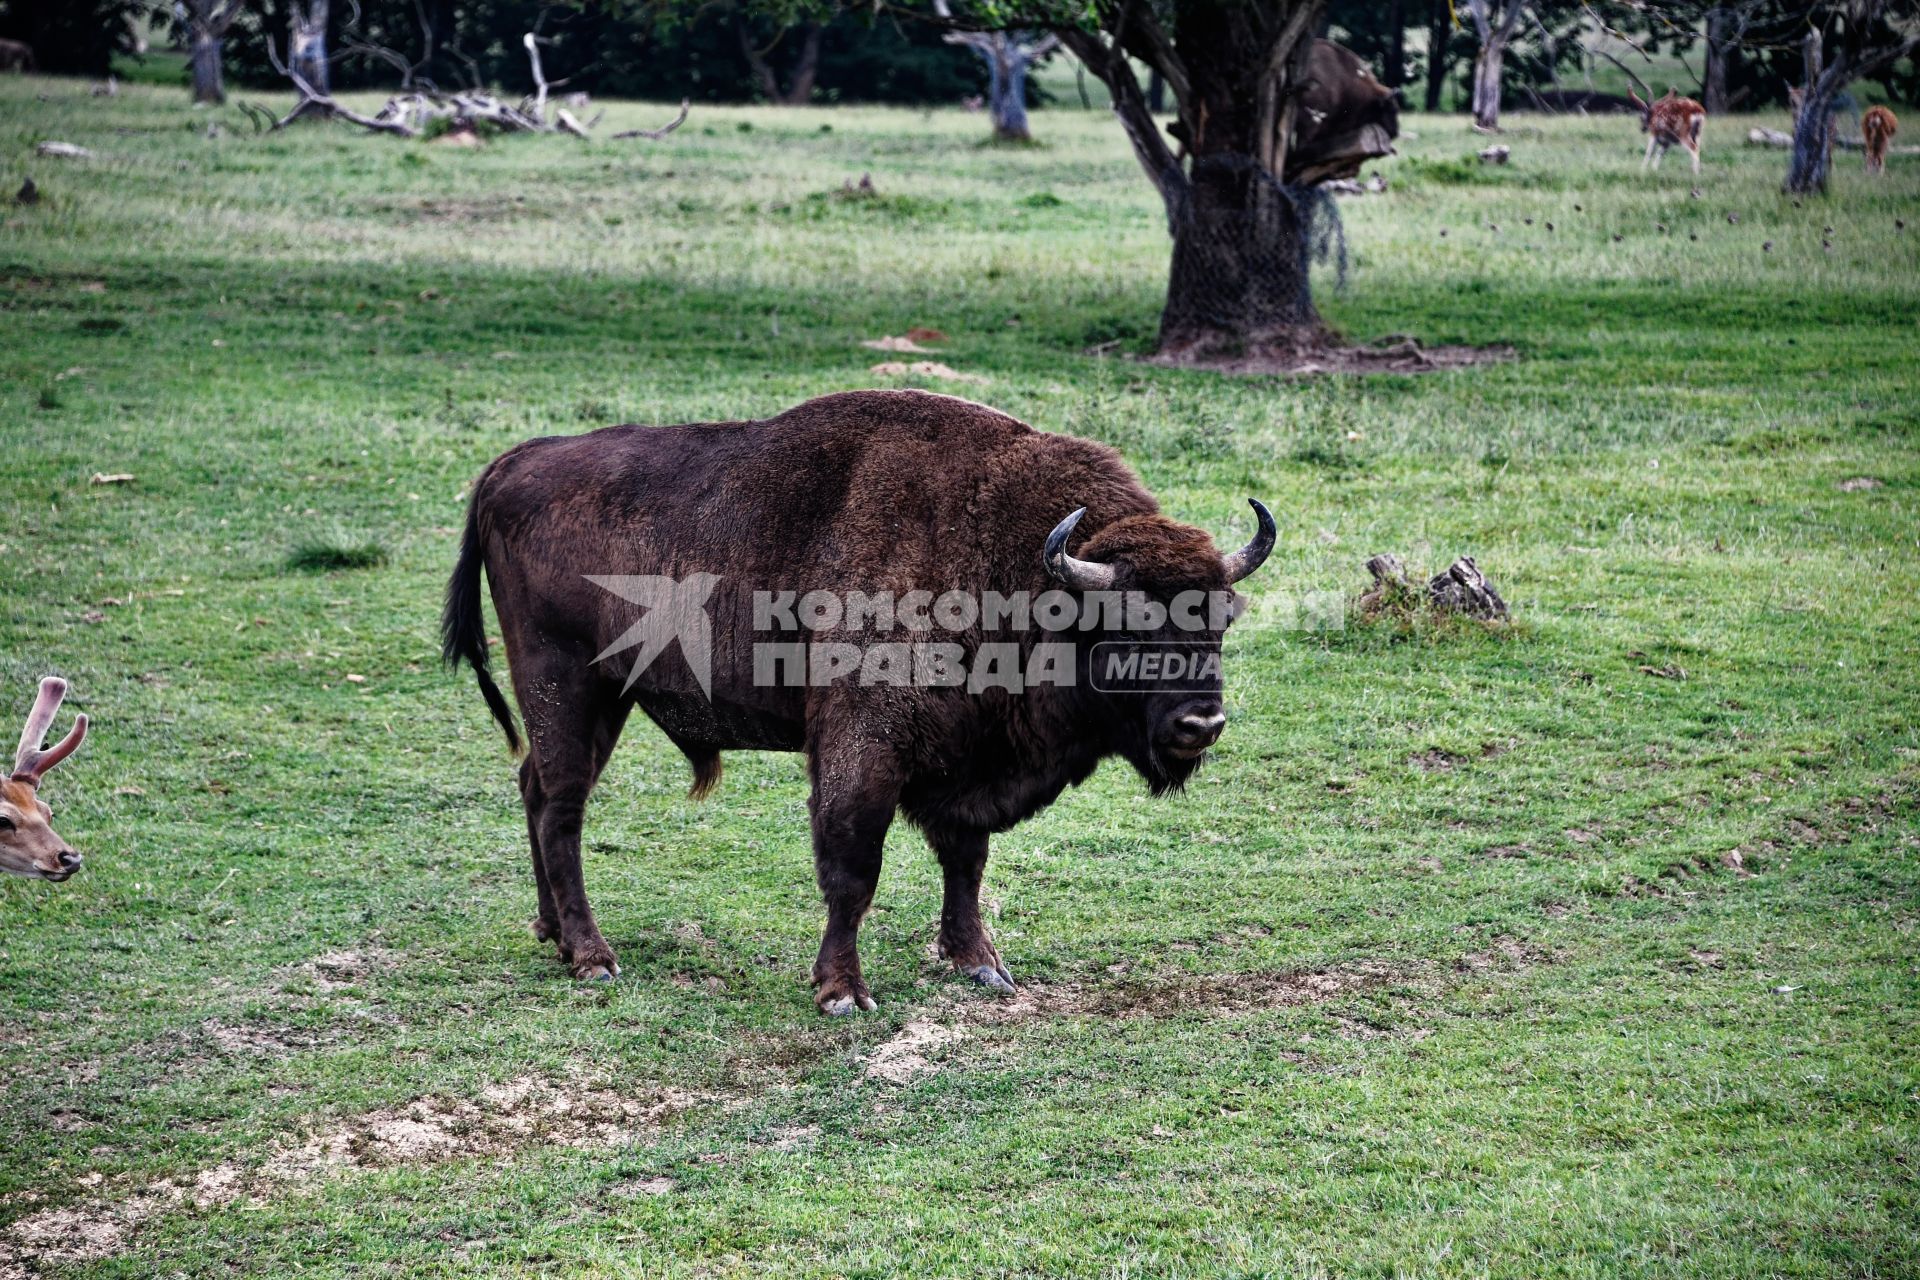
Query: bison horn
1083,575
1255,553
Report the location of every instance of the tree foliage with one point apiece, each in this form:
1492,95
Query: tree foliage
72,37
615,49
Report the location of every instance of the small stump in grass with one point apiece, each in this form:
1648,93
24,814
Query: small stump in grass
1460,590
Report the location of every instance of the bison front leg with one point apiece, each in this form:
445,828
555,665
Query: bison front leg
852,807
963,935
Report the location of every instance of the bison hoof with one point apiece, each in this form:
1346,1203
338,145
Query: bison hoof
544,930
595,964
839,1002
992,977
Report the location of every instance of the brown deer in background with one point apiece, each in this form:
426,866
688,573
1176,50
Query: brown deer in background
28,845
1671,121
1877,128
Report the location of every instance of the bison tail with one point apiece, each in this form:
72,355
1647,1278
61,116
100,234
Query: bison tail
463,633
706,773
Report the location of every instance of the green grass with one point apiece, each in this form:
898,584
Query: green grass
1555,1032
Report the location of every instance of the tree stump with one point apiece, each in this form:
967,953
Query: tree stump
1464,589
1461,588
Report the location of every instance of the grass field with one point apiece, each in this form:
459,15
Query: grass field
1582,948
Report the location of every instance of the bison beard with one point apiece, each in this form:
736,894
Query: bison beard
874,492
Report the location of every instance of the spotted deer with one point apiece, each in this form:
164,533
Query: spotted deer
1671,121
28,845
1877,128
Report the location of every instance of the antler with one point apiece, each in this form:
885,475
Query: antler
29,761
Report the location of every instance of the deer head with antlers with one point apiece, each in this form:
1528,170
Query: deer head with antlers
28,845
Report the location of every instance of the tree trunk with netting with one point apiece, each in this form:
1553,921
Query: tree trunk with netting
1239,276
1241,224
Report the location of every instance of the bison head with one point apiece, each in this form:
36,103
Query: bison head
1156,675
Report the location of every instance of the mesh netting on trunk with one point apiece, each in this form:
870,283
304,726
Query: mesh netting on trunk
1244,245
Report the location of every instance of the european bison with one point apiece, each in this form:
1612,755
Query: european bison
850,523
1343,117
15,56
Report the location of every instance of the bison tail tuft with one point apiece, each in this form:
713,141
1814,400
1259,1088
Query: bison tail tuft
463,634
706,773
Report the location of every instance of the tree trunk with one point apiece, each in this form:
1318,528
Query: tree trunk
1007,89
1812,142
1486,84
1719,49
1156,91
1393,69
1439,29
1239,276
800,88
1813,122
309,45
799,91
205,61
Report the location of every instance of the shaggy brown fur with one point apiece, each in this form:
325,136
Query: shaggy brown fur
877,491
1877,128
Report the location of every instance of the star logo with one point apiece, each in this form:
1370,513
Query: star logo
674,610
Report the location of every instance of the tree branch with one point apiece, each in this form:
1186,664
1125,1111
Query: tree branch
1149,42
1130,106
662,131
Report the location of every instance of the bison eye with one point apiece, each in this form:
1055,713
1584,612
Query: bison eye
6,824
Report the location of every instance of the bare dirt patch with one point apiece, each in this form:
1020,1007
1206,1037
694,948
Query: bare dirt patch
925,369
255,1040
792,1137
1504,955
904,1056
1395,354
502,1119
342,968
94,1230
1184,995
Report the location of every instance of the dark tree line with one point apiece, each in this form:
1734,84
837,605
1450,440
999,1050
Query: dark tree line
726,52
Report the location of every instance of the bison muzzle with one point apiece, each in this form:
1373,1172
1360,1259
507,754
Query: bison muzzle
657,567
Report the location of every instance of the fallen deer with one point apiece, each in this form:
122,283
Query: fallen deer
28,845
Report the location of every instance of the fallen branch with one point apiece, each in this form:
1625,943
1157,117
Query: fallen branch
313,102
408,114
662,131
1774,138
